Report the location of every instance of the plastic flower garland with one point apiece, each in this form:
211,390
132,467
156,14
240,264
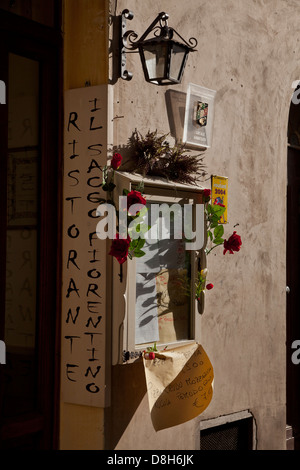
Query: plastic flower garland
215,232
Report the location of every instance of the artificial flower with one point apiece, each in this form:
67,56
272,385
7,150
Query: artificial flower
233,243
119,248
206,194
134,197
116,161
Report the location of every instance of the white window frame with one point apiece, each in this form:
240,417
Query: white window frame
124,293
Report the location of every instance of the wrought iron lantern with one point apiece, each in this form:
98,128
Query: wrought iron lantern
163,57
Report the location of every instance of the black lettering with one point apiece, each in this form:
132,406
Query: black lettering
94,185
95,105
92,336
91,212
71,372
72,256
93,355
92,288
91,305
73,116
94,276
73,154
89,370
73,177
71,340
91,147
70,230
72,287
89,388
72,201
91,321
91,124
95,199
94,256
70,315
91,238
93,166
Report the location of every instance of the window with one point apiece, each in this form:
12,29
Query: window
153,297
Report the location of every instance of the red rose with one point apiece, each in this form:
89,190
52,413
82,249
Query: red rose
206,194
119,248
116,161
134,197
209,286
233,243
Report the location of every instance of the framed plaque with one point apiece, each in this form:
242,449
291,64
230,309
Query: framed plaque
199,114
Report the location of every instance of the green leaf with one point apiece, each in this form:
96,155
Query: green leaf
218,241
218,210
139,253
218,232
141,243
125,192
133,244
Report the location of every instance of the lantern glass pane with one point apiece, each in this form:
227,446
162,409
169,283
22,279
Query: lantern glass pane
177,59
155,59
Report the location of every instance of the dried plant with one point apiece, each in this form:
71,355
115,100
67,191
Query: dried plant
152,155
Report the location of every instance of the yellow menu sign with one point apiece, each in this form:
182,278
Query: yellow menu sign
219,193
179,384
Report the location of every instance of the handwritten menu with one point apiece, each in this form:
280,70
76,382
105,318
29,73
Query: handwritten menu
179,384
84,279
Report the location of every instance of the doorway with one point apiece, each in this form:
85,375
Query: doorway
29,228
293,269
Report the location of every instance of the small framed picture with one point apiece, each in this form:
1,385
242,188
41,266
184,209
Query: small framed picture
198,119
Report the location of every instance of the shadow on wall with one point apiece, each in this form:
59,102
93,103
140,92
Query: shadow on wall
128,388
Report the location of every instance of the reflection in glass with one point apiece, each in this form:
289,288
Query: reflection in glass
22,236
163,287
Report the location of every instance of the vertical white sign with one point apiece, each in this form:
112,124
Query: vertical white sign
84,254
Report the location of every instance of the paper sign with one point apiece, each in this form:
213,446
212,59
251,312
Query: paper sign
179,384
219,194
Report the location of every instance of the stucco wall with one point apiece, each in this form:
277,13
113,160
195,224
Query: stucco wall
248,52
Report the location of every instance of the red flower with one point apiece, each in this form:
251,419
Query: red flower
209,286
233,243
134,197
119,248
151,355
116,161
206,194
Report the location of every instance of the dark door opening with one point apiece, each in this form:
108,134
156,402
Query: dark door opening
293,272
29,227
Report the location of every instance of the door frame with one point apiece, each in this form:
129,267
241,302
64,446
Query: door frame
25,37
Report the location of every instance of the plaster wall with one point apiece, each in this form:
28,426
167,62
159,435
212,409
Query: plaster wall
247,52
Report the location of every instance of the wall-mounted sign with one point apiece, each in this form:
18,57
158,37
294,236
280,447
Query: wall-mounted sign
219,193
199,113
84,286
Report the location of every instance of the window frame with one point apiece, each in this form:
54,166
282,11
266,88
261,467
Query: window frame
124,293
